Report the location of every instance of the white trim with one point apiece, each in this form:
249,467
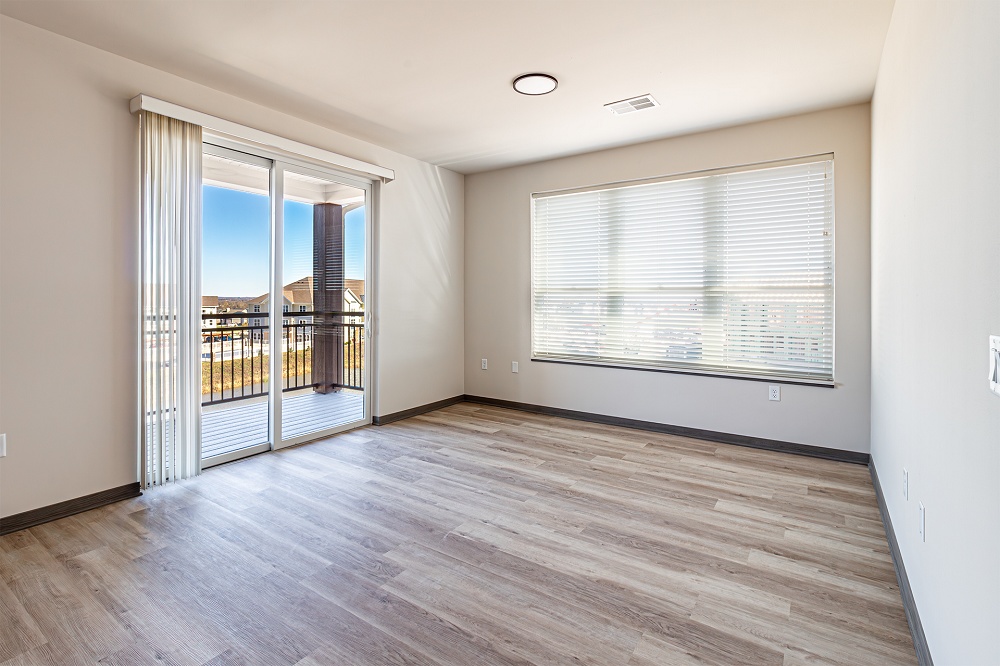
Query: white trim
324,172
293,148
344,176
275,323
211,461
371,302
679,369
230,154
322,434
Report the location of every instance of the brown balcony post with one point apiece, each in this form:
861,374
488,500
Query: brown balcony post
328,296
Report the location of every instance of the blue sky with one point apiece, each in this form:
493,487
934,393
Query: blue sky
235,242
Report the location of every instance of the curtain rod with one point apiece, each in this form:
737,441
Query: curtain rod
147,103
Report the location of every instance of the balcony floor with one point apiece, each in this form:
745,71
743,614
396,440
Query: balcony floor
238,425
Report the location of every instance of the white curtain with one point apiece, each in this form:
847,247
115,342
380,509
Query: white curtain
170,369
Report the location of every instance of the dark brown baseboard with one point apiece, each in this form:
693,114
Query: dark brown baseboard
839,455
909,604
22,521
416,411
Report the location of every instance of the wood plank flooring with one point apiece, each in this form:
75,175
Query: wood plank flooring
471,535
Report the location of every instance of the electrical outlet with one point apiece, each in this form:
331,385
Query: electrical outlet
3,446
484,364
923,523
774,393
995,364
906,484
513,366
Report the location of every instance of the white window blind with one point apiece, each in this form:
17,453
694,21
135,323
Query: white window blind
722,273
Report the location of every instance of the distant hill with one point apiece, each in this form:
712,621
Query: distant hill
234,303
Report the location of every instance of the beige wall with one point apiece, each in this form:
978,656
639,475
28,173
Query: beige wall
935,301
497,285
68,224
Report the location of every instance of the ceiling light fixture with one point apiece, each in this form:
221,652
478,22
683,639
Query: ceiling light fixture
535,84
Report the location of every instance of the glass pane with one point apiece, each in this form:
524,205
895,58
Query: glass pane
324,296
236,222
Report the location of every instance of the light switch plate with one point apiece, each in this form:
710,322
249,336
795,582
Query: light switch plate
3,446
513,366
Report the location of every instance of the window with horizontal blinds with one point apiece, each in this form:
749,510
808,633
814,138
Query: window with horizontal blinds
720,272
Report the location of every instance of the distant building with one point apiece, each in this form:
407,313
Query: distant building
297,297
209,305
357,289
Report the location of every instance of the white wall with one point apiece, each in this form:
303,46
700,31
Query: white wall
68,224
497,288
935,300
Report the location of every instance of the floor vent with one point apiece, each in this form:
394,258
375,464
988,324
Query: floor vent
632,105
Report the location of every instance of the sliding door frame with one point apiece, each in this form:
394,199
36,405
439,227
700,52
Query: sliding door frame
234,153
278,165
334,176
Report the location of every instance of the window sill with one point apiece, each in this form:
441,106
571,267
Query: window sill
772,379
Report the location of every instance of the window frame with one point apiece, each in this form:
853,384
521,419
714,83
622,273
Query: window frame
666,367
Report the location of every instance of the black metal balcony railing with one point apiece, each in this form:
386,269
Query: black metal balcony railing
235,357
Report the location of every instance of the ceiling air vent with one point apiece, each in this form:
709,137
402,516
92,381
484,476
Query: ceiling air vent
632,105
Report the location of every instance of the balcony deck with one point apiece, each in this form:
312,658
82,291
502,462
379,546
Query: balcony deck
233,426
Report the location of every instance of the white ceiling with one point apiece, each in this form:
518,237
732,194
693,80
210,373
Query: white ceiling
431,78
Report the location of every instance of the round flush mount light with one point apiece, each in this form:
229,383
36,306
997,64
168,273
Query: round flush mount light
535,84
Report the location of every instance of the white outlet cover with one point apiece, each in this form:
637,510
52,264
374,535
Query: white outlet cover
484,364
906,484
513,366
923,523
3,446
774,393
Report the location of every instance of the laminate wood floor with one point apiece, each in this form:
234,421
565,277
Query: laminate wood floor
471,535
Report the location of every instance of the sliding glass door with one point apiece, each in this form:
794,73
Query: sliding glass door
236,278
323,319
285,264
